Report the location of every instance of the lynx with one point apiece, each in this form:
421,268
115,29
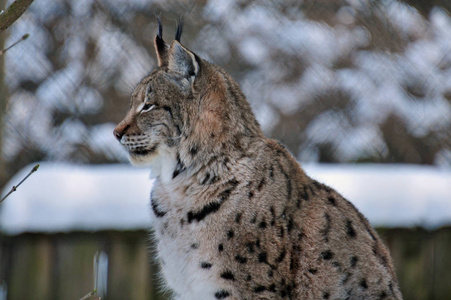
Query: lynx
234,215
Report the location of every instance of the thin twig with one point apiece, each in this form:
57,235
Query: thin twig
14,188
92,293
24,37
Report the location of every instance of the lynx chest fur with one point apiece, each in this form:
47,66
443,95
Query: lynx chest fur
234,215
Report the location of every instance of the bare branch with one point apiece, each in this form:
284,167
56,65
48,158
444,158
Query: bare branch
14,188
13,13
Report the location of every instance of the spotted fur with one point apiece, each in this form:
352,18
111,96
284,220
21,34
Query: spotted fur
234,215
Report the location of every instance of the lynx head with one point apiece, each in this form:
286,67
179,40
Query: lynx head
183,111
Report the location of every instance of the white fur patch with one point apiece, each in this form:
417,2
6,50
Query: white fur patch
163,165
183,273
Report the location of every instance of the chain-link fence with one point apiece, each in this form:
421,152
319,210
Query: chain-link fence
336,81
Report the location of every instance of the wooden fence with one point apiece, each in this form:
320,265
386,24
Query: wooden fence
60,266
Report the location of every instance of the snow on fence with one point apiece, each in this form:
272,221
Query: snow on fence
65,197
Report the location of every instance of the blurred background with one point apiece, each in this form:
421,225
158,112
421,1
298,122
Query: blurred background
339,82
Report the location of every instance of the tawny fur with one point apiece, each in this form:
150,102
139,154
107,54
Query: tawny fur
234,215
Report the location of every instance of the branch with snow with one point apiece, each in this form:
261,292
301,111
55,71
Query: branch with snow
14,188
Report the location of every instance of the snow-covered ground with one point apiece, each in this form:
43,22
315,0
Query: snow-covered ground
64,197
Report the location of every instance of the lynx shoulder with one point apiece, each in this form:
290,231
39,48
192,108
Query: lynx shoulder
234,215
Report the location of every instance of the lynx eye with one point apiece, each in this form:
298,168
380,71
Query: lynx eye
147,107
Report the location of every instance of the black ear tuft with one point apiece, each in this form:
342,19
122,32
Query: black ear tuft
160,27
160,46
179,30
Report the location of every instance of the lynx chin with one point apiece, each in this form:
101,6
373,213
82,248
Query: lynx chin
233,213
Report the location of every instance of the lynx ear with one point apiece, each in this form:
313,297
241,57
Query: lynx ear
182,61
161,47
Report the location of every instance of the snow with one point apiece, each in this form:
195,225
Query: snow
65,197
392,195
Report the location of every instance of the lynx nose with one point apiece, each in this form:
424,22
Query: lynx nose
119,131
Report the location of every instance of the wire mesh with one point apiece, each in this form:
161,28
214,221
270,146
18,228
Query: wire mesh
335,80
